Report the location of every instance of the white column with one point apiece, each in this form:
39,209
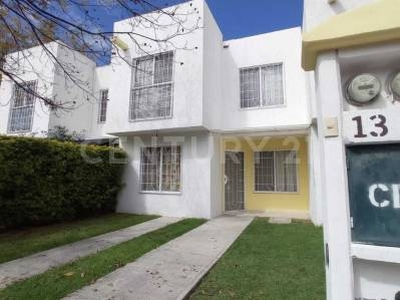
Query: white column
316,197
334,180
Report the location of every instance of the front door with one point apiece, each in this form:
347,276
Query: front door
234,181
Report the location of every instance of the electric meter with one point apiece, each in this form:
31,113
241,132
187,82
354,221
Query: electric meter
395,85
363,89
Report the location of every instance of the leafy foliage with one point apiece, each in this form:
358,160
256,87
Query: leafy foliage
45,181
61,133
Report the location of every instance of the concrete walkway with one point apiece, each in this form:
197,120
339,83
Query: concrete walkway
173,270
38,263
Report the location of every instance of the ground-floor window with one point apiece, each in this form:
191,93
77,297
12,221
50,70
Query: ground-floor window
275,171
160,169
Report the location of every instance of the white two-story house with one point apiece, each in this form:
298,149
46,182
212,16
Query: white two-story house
210,125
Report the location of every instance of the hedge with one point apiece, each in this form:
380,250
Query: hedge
44,181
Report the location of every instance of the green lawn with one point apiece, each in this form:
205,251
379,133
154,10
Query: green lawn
59,282
269,262
21,243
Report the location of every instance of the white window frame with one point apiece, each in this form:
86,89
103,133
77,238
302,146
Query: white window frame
261,106
13,108
101,103
160,183
133,87
275,191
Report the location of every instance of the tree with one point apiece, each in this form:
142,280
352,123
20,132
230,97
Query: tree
79,26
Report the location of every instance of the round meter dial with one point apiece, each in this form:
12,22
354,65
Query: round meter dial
363,89
395,85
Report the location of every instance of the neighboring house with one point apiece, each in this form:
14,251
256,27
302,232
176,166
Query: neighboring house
210,126
86,102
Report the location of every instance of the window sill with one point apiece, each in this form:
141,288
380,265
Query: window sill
160,193
19,132
375,253
277,193
150,119
262,107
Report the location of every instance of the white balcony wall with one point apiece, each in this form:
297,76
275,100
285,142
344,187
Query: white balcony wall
31,64
75,91
277,47
188,47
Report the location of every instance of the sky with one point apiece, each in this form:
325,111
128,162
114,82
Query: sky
236,18
240,18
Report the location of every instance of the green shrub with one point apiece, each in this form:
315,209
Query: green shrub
44,181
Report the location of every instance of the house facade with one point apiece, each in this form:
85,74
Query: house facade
210,125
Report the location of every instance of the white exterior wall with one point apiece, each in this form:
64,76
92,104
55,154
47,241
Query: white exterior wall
52,83
213,72
81,92
103,77
198,155
187,74
216,178
318,11
356,270
281,46
33,64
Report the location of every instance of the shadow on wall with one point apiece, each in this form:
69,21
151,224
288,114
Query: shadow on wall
337,7
131,182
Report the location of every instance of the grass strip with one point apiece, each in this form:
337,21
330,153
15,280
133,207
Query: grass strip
16,244
269,261
61,281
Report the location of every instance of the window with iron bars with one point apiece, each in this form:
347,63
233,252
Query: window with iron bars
152,87
275,171
262,86
102,118
22,107
160,169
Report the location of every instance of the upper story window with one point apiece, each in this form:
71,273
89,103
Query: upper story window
152,87
262,86
22,107
102,118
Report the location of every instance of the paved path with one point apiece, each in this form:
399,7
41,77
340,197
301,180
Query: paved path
38,263
172,270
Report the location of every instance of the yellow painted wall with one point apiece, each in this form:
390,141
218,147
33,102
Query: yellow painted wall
273,201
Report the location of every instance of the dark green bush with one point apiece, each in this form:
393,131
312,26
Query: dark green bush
44,181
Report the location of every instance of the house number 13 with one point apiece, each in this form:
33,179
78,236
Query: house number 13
379,123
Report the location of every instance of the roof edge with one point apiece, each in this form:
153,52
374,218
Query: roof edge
311,49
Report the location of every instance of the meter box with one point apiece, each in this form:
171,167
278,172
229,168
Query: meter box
374,190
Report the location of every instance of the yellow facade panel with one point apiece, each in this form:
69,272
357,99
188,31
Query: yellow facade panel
273,201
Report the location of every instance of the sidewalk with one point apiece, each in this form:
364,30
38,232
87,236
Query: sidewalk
38,263
173,270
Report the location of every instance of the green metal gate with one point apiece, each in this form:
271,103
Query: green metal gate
374,188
